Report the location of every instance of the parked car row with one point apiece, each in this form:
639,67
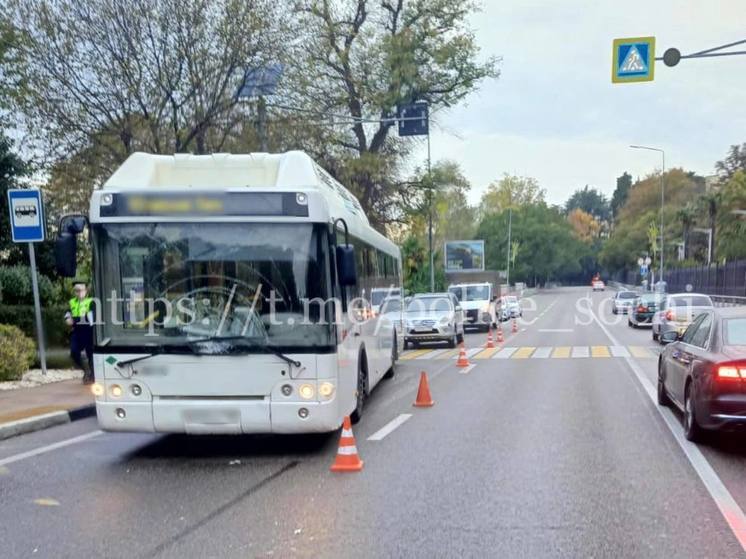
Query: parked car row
444,317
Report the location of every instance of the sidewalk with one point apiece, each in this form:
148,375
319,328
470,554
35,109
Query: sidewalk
29,409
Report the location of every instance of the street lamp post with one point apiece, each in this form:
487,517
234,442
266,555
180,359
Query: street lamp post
663,173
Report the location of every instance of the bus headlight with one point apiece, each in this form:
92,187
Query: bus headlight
286,390
306,391
136,389
116,391
97,389
326,390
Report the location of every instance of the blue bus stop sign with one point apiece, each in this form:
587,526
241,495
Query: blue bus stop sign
26,216
633,60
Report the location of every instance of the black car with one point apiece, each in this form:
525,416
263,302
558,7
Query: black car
703,371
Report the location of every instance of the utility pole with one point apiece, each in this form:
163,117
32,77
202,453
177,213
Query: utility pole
510,226
430,211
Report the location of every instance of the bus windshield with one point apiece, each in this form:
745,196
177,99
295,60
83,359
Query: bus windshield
168,283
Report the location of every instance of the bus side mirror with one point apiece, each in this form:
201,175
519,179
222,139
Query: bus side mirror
66,255
346,265
66,245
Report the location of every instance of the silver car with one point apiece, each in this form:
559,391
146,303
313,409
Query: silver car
623,301
433,317
678,311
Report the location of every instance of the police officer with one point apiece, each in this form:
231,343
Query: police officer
80,317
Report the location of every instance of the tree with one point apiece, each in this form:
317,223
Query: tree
585,227
12,168
735,161
686,216
361,59
511,192
547,250
156,76
591,201
732,226
623,185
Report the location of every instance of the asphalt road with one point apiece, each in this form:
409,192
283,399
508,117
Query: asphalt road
551,449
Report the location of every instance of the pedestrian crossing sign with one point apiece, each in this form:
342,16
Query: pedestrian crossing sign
633,60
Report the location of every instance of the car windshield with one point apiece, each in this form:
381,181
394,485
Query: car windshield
477,293
172,282
735,331
378,295
627,295
690,301
392,305
429,304
511,300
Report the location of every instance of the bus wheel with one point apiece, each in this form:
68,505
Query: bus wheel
394,358
362,377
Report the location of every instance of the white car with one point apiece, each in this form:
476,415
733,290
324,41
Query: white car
509,307
378,294
478,303
598,285
623,301
433,317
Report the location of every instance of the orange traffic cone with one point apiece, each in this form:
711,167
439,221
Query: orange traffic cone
462,360
500,339
347,459
490,340
514,329
424,400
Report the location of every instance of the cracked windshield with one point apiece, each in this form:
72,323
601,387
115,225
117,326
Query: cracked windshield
372,279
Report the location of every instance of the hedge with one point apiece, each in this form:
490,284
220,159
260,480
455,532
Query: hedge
17,353
15,287
56,331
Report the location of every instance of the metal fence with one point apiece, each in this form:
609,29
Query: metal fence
716,279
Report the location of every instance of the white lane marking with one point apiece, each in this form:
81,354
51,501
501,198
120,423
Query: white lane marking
49,448
505,353
730,510
466,370
619,351
580,352
556,330
472,352
542,353
389,427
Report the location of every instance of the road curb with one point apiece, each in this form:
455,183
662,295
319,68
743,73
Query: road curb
44,421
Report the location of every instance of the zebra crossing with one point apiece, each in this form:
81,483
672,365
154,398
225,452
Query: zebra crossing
540,352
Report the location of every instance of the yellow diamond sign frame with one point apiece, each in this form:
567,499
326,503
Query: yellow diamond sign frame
633,60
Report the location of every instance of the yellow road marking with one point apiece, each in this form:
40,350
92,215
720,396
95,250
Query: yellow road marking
487,353
600,351
47,502
523,352
415,354
640,352
561,352
448,354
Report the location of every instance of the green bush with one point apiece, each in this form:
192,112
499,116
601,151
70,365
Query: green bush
15,287
56,332
17,352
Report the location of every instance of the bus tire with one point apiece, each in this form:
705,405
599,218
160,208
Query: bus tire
362,384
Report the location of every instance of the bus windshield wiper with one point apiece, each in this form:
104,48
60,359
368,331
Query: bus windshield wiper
249,341
156,351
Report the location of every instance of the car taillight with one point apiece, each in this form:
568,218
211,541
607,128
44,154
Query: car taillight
731,371
669,315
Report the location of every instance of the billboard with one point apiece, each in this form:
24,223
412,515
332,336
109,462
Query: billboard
464,256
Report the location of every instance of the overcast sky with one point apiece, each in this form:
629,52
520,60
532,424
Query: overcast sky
554,114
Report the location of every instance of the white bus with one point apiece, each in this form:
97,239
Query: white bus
228,297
